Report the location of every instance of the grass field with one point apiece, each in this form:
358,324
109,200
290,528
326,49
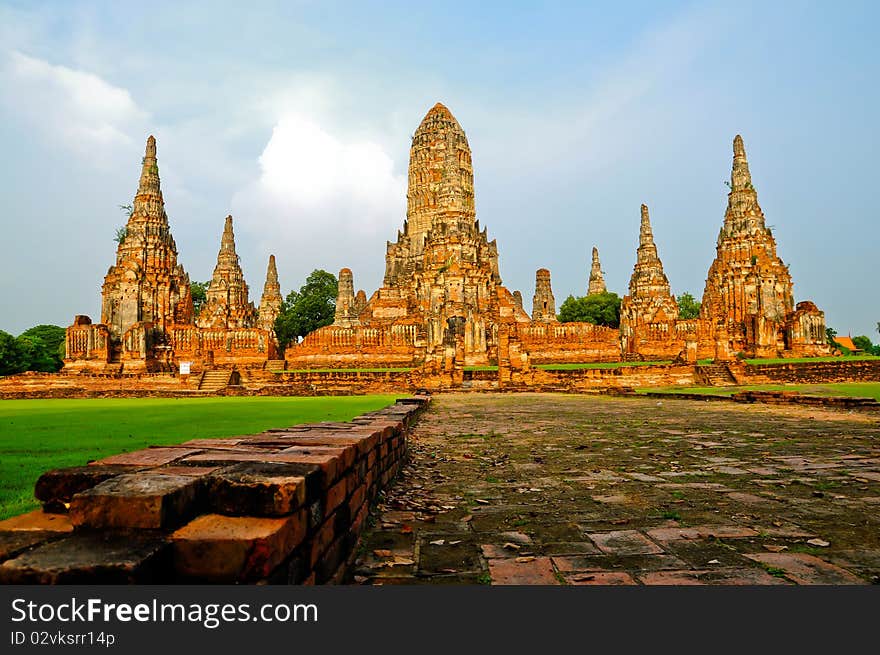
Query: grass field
854,389
37,435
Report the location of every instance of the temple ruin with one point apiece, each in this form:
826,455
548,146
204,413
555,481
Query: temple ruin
442,304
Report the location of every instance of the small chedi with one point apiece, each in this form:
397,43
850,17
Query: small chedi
147,318
442,304
596,283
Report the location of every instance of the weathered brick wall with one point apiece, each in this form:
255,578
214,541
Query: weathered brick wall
592,379
842,370
284,506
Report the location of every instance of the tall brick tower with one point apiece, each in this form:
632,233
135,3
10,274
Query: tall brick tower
749,291
146,285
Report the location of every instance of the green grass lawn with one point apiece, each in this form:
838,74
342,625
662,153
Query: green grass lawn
38,435
854,389
805,360
575,367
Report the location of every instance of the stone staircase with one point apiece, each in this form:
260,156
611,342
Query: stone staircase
214,380
276,365
716,375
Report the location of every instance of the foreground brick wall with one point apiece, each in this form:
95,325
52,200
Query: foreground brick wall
282,506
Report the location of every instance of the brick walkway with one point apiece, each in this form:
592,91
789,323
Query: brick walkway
557,489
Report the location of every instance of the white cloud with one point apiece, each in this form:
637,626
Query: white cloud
322,200
79,108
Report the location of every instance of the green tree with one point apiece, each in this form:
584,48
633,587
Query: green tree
863,343
48,358
11,359
198,290
688,307
599,309
830,333
308,309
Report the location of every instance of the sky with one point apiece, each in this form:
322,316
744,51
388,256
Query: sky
296,118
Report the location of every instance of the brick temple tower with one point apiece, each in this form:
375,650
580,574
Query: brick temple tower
270,301
749,295
227,304
596,283
648,313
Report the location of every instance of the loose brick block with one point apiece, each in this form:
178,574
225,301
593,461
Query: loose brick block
256,489
136,501
60,485
37,521
148,457
92,558
230,549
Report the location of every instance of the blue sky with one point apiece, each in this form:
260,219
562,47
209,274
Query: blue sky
296,117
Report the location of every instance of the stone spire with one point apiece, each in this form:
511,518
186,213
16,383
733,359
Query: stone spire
748,287
543,303
146,284
648,279
226,304
597,280
270,301
345,299
441,177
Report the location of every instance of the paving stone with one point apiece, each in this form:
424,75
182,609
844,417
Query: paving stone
807,569
256,489
570,548
624,542
569,563
137,501
494,551
702,532
59,485
606,578
711,577
37,521
747,498
538,571
92,558
447,557
231,549
147,457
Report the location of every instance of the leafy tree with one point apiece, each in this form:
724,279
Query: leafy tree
863,343
830,333
199,295
688,306
308,309
48,358
599,309
11,359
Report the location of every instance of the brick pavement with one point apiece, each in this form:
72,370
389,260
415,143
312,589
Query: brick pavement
564,489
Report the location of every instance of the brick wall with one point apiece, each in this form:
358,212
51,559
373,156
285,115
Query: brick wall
284,506
842,370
